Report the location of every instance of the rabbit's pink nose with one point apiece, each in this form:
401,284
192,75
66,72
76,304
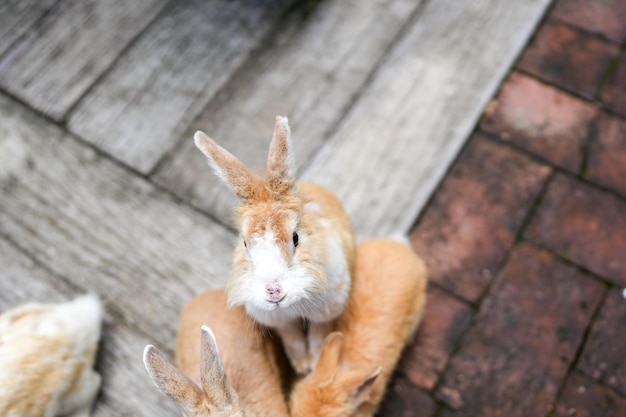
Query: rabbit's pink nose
274,293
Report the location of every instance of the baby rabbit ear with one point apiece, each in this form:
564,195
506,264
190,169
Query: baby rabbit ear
279,158
359,386
212,374
173,383
328,363
228,168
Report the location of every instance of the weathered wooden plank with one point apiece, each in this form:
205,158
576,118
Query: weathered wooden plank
400,137
126,389
310,71
103,228
16,17
23,281
53,67
174,69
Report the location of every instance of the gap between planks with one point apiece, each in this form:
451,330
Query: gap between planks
399,139
311,70
126,388
102,227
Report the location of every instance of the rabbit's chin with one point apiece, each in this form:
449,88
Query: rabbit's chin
284,306
275,314
272,315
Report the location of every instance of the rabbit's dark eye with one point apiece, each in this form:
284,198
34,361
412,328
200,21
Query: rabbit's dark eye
295,239
245,245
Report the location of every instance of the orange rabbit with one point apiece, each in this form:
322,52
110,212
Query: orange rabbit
384,309
294,258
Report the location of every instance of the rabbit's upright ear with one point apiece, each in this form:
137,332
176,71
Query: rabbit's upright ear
229,169
328,363
359,384
214,383
280,158
173,383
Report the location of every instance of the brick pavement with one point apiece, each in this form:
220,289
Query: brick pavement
526,240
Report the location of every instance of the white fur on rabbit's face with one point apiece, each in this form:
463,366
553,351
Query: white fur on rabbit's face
275,278
277,264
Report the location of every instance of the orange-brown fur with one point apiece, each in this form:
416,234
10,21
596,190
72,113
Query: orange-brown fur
278,176
331,209
263,214
271,214
384,309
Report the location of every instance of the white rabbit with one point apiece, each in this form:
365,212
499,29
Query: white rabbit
294,260
47,353
385,307
244,380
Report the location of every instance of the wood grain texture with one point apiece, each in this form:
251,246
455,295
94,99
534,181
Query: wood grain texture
17,17
61,58
126,389
394,146
22,280
154,91
310,71
103,228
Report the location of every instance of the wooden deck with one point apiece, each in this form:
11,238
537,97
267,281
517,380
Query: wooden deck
102,190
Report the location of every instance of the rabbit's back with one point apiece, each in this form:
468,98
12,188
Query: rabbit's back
385,308
46,357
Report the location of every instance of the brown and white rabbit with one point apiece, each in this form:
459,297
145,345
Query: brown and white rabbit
243,380
47,353
385,307
295,256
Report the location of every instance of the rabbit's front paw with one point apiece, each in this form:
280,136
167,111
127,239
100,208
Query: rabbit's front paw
302,365
296,347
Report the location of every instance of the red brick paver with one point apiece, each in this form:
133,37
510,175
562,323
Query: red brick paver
614,92
582,397
604,355
607,154
526,335
465,231
584,224
536,199
606,17
545,121
572,59
445,319
403,399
